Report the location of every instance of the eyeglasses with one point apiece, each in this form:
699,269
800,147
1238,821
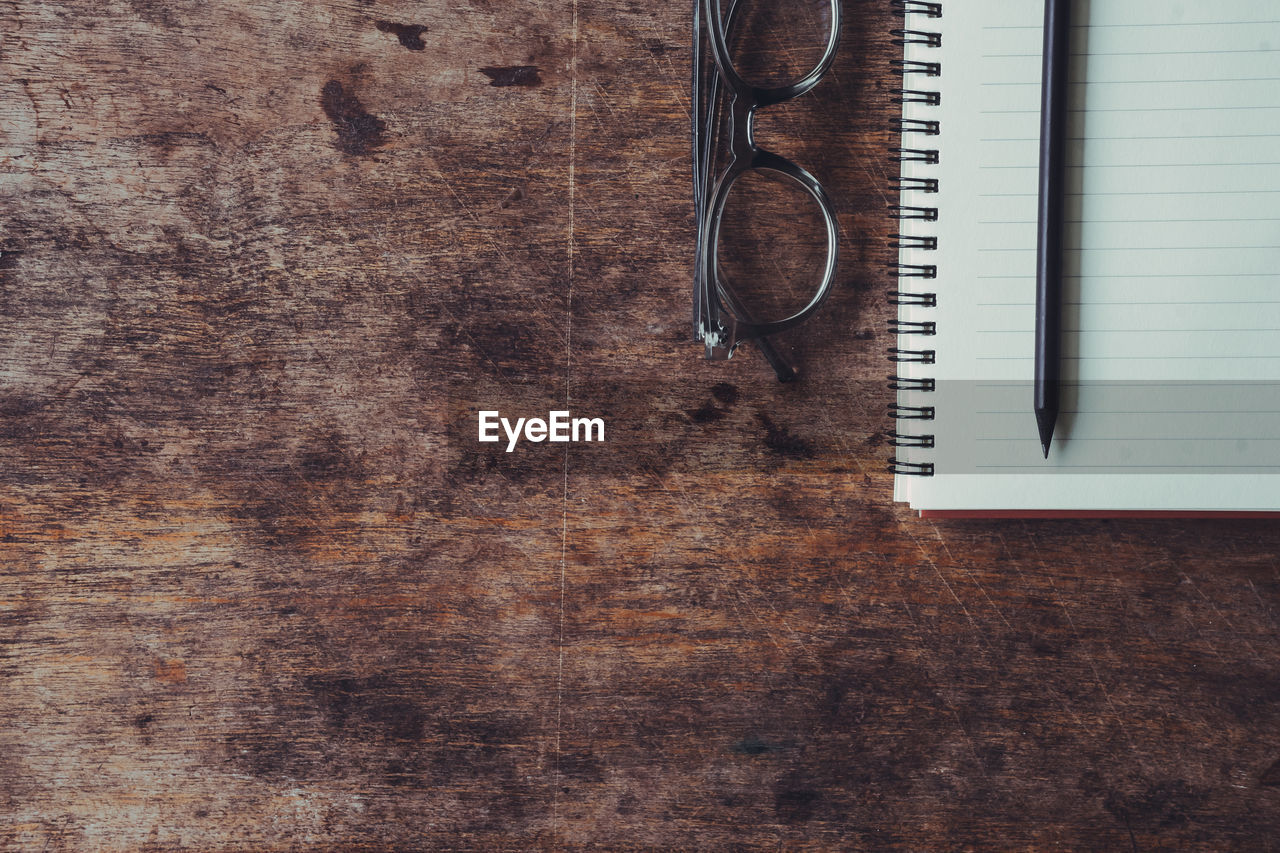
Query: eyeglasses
761,264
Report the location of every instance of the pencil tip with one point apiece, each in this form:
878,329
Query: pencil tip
1044,421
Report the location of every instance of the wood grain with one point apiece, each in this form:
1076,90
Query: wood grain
263,590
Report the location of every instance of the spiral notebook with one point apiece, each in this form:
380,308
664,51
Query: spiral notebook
1171,367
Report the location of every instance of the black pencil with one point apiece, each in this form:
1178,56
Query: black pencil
1053,141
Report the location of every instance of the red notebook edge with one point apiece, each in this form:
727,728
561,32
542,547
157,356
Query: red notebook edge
1092,513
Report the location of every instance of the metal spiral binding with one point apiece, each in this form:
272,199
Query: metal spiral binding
908,129
913,241
915,125
908,383
928,214
912,327
902,297
903,7
915,155
912,356
915,270
920,185
914,66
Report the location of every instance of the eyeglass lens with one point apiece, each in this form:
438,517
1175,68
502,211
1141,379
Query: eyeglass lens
772,246
775,43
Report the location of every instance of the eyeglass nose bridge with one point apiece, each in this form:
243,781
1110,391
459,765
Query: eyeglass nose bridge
742,130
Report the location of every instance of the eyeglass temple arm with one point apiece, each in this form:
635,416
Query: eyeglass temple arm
784,371
702,131
783,368
706,91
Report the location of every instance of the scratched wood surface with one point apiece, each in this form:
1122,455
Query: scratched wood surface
263,590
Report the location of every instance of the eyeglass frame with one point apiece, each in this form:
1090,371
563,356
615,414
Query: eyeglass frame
745,156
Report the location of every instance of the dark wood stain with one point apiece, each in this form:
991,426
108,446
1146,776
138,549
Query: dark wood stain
795,805
1163,804
351,704
512,75
725,392
252,549
753,746
780,439
517,194
705,414
359,131
410,35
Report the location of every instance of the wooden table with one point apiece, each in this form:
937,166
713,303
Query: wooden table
263,590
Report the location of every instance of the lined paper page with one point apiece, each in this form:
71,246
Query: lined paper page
1172,320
